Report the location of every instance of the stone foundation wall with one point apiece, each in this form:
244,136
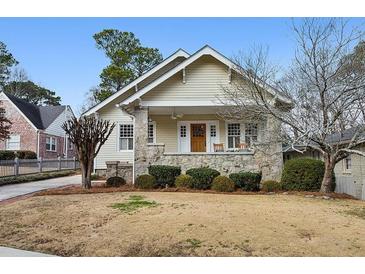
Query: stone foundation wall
120,169
268,161
224,163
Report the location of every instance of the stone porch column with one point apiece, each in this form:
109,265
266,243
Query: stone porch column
269,156
140,141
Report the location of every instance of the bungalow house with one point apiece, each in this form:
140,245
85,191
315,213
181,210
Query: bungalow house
169,116
350,172
36,128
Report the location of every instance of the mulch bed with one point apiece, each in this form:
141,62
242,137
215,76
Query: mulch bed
101,188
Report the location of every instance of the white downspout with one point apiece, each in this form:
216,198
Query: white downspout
134,148
38,143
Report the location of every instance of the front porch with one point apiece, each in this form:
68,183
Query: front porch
201,130
187,137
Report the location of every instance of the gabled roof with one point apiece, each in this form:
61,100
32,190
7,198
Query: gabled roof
206,50
39,116
178,53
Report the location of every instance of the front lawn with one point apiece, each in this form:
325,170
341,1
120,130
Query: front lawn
184,224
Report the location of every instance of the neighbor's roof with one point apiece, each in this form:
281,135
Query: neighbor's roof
345,136
40,116
335,138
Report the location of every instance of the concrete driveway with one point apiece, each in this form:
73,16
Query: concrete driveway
13,252
11,191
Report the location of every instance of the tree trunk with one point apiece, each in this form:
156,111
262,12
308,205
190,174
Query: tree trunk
86,175
327,181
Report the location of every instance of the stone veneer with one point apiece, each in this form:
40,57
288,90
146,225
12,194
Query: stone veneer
120,169
224,162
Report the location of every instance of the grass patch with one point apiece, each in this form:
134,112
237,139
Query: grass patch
134,203
358,212
194,243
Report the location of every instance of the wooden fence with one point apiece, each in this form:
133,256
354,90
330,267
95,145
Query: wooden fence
28,166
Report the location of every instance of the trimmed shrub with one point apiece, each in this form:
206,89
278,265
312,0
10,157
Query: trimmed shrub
203,177
271,186
145,181
21,154
223,184
115,181
303,174
26,154
7,155
184,181
248,181
165,175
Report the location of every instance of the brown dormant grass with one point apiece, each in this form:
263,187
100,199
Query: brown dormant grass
184,224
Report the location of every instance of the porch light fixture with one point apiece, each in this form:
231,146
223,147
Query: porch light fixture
175,116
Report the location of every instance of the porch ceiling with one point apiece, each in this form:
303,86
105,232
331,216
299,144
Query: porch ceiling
184,110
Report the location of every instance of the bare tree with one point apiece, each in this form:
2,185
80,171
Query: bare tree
5,125
324,85
88,134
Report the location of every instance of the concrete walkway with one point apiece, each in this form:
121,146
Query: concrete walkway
12,252
11,191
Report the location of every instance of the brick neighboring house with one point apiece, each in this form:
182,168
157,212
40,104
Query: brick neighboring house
36,128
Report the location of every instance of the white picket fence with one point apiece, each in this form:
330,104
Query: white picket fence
18,167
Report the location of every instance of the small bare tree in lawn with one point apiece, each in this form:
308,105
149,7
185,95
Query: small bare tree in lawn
5,125
325,83
88,134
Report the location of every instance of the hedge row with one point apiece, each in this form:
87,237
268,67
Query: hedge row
197,178
21,154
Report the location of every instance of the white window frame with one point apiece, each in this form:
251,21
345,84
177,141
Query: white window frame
345,169
51,143
119,126
7,142
251,136
243,132
2,112
70,145
153,123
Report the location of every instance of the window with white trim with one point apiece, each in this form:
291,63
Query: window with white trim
347,164
51,143
126,137
151,132
233,133
13,143
251,133
2,112
70,144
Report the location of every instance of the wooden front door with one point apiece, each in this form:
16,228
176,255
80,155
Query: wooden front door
198,137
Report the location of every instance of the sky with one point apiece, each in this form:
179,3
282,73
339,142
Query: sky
60,53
